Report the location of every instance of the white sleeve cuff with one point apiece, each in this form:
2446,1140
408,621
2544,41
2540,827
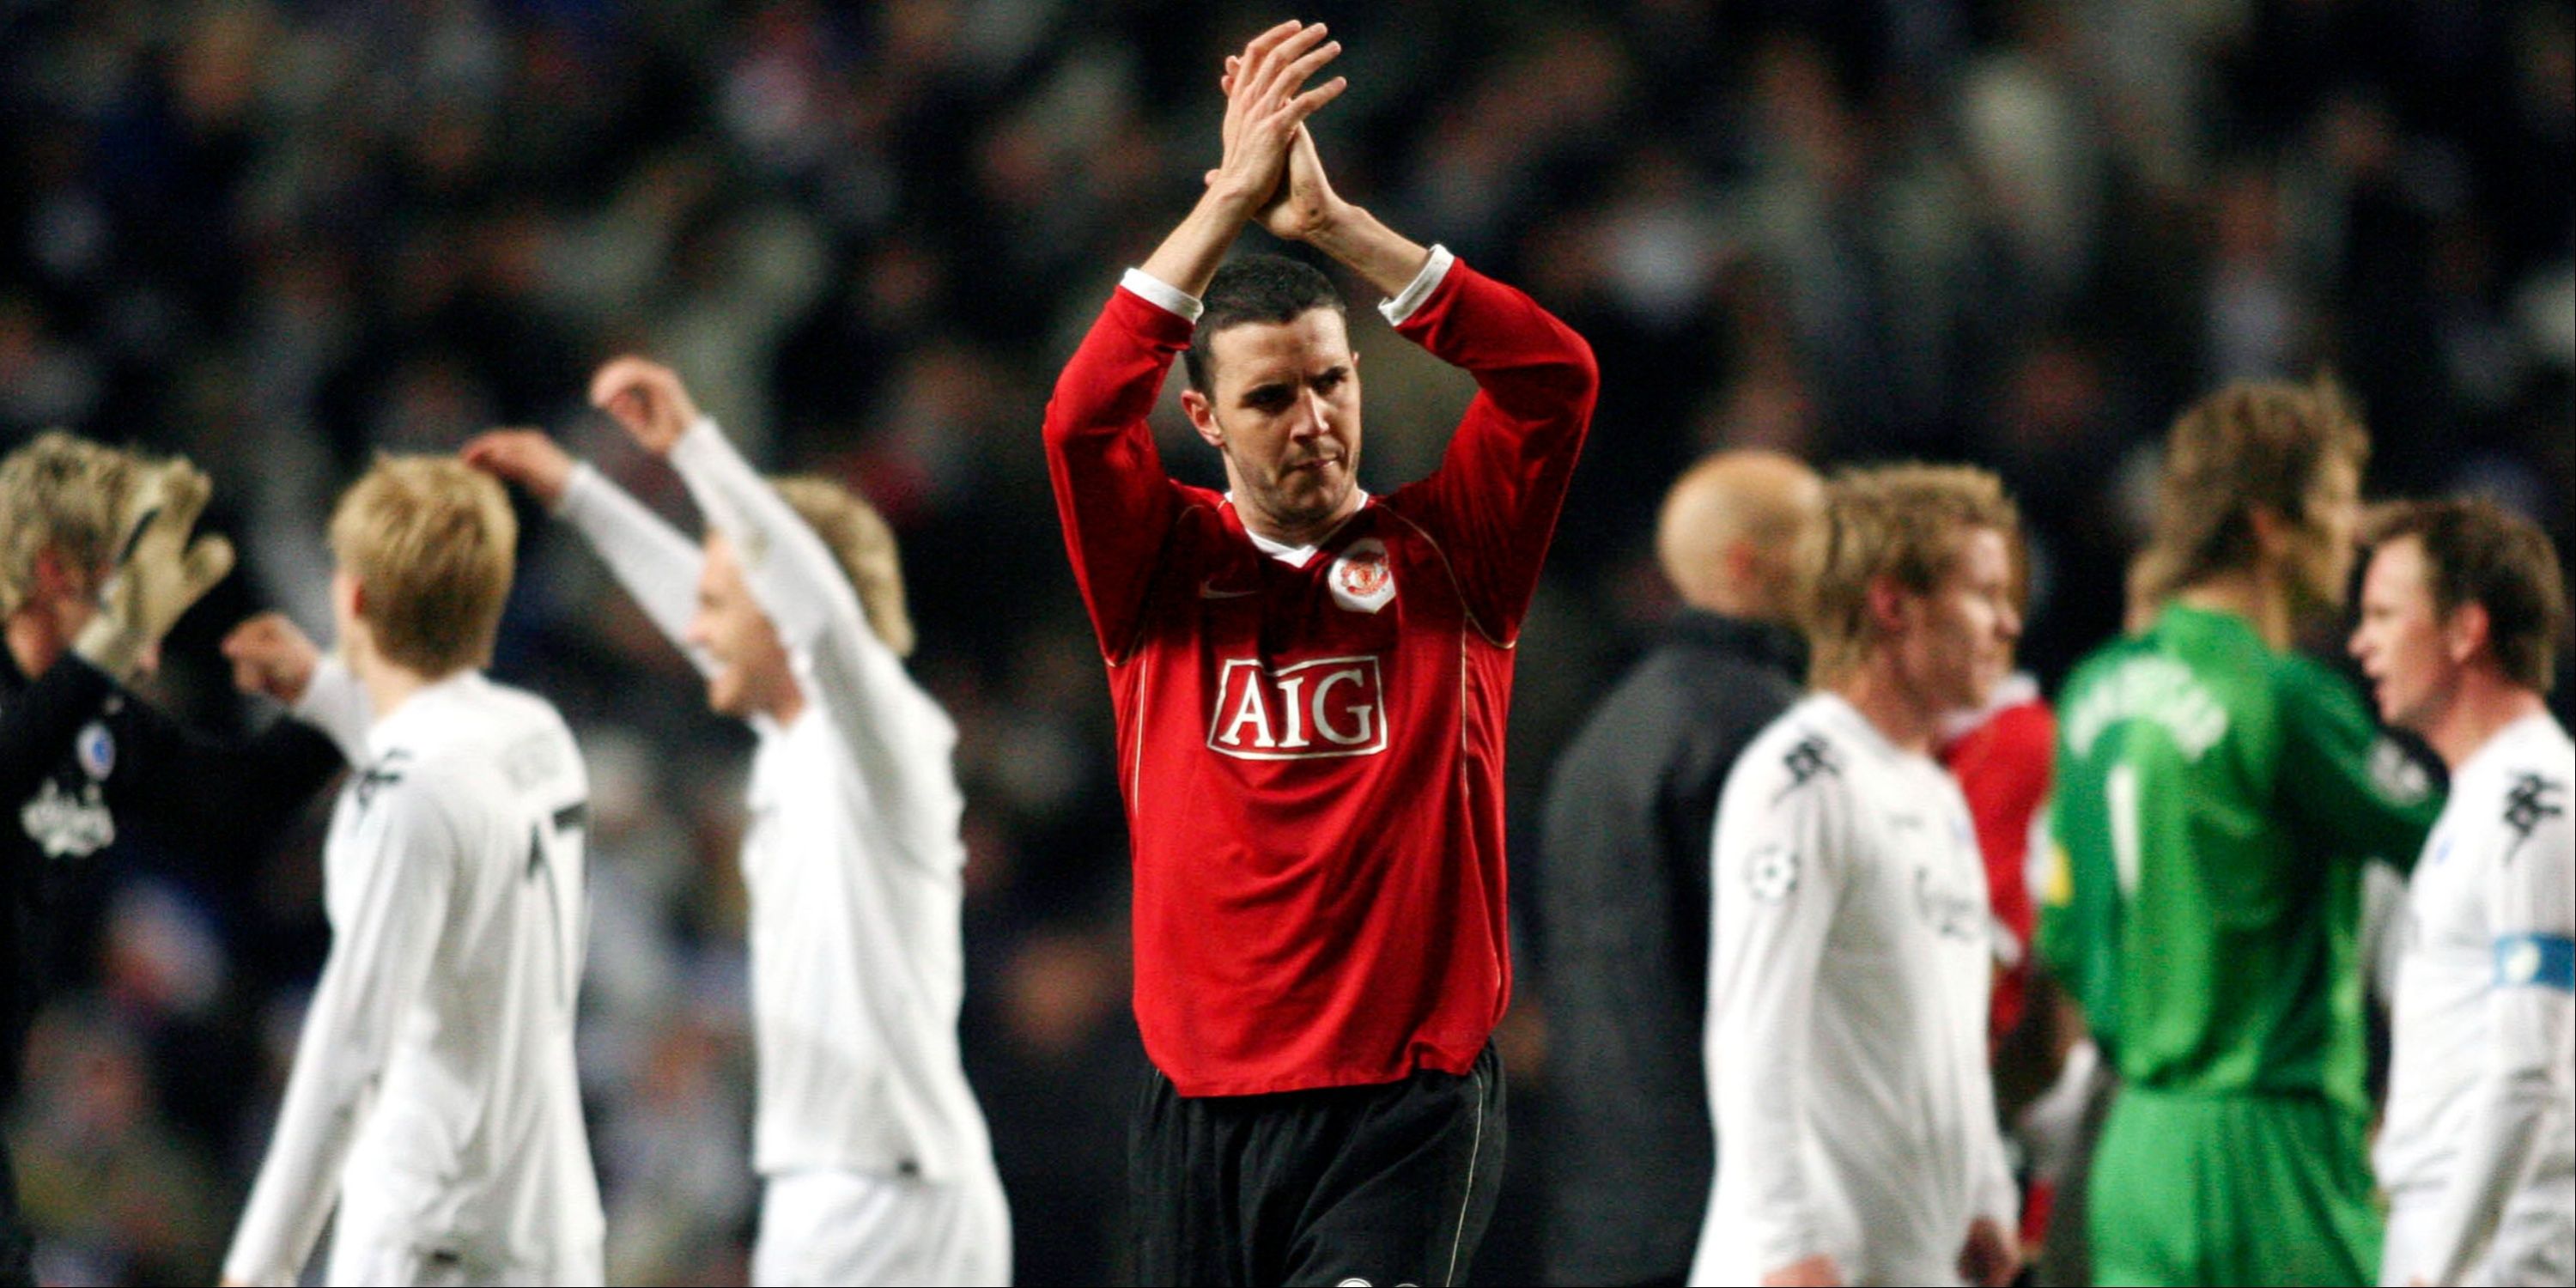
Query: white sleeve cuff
1434,271
1162,295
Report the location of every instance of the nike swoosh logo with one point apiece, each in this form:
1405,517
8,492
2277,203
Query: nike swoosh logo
1208,590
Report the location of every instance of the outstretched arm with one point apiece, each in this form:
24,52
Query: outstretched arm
654,561
901,739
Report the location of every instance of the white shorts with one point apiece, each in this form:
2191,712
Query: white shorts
836,1227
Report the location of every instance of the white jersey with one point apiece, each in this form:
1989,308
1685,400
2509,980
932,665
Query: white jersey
853,858
1849,967
434,1088
2479,1152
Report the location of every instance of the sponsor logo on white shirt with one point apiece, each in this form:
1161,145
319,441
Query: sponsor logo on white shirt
1333,706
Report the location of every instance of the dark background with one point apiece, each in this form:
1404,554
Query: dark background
283,237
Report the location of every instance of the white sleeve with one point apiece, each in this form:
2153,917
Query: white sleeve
1435,270
901,739
2531,1017
1162,295
380,958
650,558
1776,879
335,703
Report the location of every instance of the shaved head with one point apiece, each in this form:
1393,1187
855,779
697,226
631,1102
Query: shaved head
1728,537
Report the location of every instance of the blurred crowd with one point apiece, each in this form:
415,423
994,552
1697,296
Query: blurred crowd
283,237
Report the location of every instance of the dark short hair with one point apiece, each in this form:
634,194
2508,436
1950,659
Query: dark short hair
2478,552
1254,288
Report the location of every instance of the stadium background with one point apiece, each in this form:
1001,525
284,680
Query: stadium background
283,237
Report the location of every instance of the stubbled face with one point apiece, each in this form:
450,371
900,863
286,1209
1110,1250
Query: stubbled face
752,673
2322,554
1285,412
1956,641
2400,641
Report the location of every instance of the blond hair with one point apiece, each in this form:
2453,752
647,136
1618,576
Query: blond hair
1903,522
2245,448
863,544
62,494
432,544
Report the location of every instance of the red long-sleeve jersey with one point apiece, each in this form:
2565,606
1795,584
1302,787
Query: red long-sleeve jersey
1312,753
2003,757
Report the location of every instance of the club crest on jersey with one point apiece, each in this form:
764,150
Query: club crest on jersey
1362,580
1333,706
96,750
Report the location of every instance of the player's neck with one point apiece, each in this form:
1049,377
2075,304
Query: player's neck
389,685
2247,593
1261,523
1882,698
2486,705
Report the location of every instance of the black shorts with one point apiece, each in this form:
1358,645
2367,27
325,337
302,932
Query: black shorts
1387,1184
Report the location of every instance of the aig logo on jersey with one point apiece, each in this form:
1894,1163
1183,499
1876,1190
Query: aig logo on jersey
1333,706
1361,579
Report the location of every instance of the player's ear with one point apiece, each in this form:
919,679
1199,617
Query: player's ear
2466,631
1887,605
2272,533
1202,415
348,595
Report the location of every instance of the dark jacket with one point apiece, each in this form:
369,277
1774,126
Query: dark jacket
1623,902
82,763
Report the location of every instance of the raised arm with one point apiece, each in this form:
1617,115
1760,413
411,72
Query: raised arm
384,935
901,739
655,562
1504,477
1266,106
1115,504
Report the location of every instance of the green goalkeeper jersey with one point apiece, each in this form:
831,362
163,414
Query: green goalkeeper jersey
2214,801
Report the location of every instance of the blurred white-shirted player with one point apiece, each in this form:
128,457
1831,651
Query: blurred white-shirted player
434,1095
876,1164
2460,610
1853,946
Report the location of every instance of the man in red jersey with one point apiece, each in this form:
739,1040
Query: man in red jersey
1311,685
